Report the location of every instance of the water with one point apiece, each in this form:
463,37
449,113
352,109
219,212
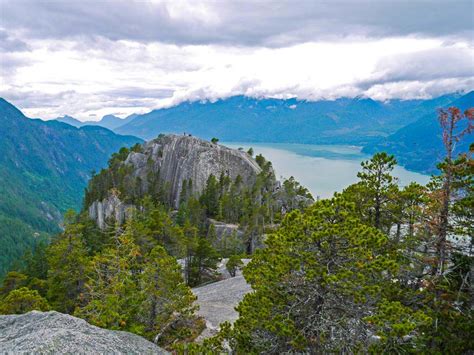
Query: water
323,169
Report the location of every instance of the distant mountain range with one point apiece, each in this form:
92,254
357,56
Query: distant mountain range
407,128
109,121
239,118
419,145
44,168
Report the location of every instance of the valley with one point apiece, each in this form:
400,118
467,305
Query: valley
44,168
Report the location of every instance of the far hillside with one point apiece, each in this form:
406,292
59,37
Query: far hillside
239,118
44,168
419,145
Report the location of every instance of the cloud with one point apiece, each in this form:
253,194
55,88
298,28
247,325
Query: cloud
61,77
38,104
237,22
139,93
436,63
91,58
415,89
11,44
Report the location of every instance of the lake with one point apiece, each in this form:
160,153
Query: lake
323,169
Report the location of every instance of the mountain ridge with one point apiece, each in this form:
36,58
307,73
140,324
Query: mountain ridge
419,145
108,121
44,167
241,118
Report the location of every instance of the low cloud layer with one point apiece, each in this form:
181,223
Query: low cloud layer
91,58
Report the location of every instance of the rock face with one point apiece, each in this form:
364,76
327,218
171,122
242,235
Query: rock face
53,332
179,158
110,208
176,159
228,235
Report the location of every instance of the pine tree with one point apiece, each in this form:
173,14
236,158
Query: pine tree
210,197
68,261
450,120
166,308
374,191
23,300
323,284
112,293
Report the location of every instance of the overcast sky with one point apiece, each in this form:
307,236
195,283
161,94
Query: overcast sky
90,58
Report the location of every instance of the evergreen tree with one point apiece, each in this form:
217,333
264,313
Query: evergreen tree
200,257
23,300
374,193
12,281
166,308
451,121
322,286
233,264
448,251
112,289
210,197
67,259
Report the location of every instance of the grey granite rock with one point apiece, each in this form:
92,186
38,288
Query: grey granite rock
56,333
109,209
228,235
175,159
181,157
217,302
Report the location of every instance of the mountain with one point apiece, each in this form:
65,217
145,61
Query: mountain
44,168
70,120
108,121
175,161
240,118
419,146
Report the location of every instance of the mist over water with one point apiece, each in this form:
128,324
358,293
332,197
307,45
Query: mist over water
323,169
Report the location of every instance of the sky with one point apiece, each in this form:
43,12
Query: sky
88,58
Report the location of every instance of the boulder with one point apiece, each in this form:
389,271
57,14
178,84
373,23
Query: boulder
56,333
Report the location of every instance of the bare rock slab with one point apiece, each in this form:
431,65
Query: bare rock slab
56,333
217,302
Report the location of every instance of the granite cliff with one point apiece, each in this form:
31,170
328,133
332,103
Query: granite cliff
178,158
172,161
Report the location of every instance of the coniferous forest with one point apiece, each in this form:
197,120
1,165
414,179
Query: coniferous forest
376,268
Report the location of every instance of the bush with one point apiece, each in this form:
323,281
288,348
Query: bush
23,300
234,264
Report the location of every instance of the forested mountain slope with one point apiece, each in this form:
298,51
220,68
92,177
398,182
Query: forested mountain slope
419,145
44,167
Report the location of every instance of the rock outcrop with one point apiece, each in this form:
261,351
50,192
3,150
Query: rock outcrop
109,209
228,235
57,333
177,159
217,301
180,157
